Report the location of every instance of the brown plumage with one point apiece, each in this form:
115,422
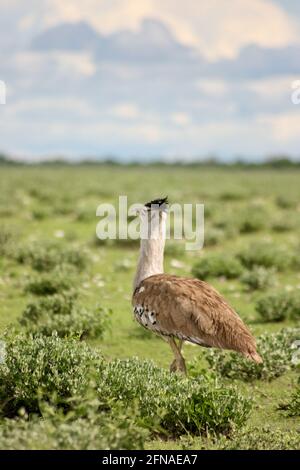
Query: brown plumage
185,308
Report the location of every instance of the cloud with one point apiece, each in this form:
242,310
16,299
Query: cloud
212,28
146,78
181,119
125,111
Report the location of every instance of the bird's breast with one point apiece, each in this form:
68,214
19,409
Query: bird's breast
146,317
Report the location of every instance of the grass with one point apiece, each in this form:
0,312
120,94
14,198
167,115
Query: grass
59,205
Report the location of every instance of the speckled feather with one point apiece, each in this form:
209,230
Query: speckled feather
191,310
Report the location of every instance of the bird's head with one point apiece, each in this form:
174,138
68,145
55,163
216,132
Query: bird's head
157,205
152,214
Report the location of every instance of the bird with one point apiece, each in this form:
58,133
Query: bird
181,309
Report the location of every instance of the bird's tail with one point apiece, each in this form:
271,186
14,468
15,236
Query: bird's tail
253,356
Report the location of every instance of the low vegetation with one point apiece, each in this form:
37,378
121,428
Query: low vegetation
279,306
217,266
62,314
275,349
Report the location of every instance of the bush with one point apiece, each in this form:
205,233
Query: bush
252,220
175,250
59,313
213,236
286,202
267,255
279,306
292,407
256,438
44,368
50,283
217,266
171,403
99,431
283,225
47,256
7,237
275,350
65,373
259,278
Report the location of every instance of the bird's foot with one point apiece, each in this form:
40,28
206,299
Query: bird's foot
173,366
181,366
178,365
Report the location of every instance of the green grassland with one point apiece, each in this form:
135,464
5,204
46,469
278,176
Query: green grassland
58,203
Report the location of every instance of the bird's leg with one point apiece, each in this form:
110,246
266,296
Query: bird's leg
179,363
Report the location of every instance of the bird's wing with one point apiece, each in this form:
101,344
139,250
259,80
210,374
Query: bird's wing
193,309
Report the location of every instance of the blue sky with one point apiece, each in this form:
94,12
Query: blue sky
147,79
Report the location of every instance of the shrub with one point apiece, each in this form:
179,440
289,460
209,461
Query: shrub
255,438
50,283
259,278
267,255
286,202
283,225
213,236
232,195
252,220
99,431
175,250
275,350
7,236
44,368
170,402
47,256
292,407
59,313
279,306
216,266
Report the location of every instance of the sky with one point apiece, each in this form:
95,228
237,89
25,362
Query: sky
149,79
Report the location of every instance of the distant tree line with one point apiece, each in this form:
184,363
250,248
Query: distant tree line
276,162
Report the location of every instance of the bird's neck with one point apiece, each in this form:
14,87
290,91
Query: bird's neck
151,259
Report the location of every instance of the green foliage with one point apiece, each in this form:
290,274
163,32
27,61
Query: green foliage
284,224
286,202
267,255
7,237
257,438
259,278
169,402
216,266
275,350
175,250
213,236
97,431
279,306
292,407
61,314
253,219
39,369
51,283
47,256
43,368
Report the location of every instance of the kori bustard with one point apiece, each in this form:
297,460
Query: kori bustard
178,308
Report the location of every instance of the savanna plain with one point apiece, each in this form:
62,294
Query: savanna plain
77,372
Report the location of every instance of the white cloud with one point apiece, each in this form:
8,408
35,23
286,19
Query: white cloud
213,27
181,119
212,87
284,127
125,111
272,86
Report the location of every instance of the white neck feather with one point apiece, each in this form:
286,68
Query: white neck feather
151,259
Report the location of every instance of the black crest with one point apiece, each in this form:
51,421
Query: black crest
157,202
